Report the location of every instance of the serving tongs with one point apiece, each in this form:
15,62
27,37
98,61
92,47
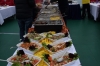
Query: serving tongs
3,60
46,6
22,61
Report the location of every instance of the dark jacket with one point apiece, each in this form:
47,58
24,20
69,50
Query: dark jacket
62,4
24,8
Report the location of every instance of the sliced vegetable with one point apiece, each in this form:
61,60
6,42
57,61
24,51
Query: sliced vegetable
76,56
66,34
20,52
32,48
16,64
68,43
49,35
44,45
45,57
26,40
49,46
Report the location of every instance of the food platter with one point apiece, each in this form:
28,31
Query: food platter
48,22
59,44
23,58
29,47
66,59
51,35
42,51
50,16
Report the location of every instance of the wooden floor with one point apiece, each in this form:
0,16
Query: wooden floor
84,33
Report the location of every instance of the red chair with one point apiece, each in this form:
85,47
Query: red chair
38,1
10,2
92,1
2,2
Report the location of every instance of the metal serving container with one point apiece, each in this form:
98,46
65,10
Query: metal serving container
50,9
48,20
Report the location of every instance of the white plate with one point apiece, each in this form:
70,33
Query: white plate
29,56
28,51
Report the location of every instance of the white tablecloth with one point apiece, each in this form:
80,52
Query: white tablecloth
94,10
1,19
6,12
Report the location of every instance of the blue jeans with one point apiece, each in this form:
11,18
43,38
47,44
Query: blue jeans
24,25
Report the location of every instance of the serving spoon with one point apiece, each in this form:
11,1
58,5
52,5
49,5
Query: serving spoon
3,60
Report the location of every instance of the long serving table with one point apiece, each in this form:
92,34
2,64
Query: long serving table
1,19
70,50
5,12
94,10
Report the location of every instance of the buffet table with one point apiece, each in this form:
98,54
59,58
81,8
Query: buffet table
94,10
5,12
1,19
46,47
71,49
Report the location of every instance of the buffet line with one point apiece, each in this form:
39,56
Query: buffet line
48,43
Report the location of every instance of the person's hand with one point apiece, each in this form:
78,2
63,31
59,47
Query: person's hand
39,5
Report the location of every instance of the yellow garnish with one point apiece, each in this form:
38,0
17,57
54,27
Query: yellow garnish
46,41
42,63
54,18
42,51
52,32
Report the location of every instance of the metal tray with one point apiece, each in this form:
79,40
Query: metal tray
48,22
50,10
48,17
43,22
43,18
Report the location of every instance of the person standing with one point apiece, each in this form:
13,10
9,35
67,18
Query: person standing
63,7
86,9
24,15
